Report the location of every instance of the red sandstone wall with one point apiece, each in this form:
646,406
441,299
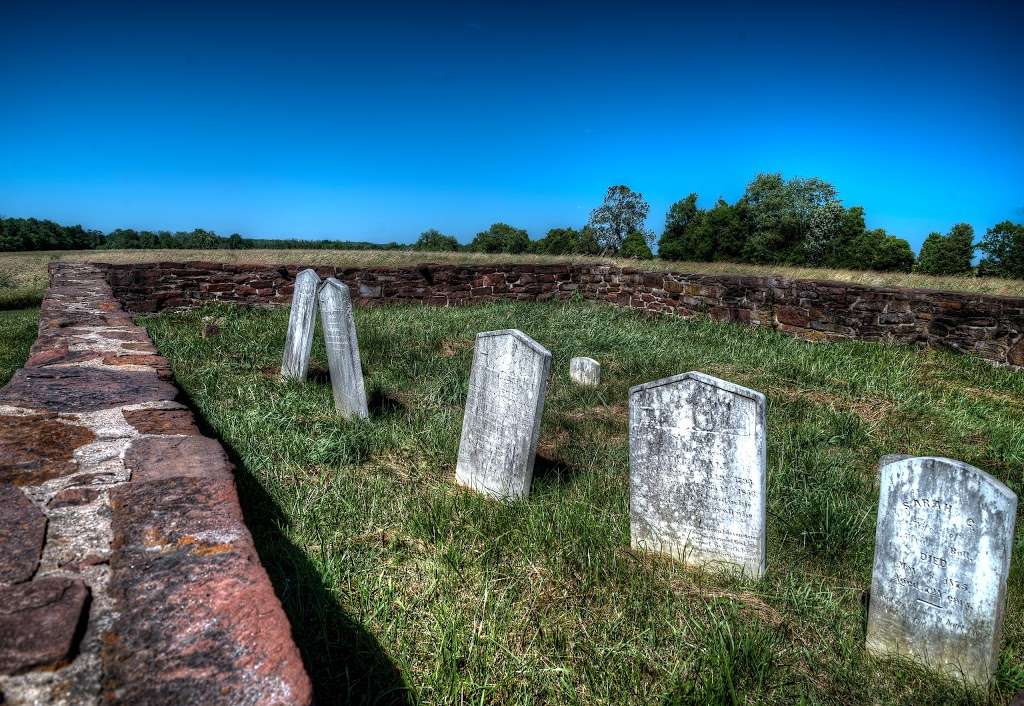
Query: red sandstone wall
987,326
127,574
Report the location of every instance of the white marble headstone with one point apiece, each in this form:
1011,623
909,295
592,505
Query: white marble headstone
942,555
301,323
342,349
697,471
585,371
503,410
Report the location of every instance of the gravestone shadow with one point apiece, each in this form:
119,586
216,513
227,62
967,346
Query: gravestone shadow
380,404
345,662
551,471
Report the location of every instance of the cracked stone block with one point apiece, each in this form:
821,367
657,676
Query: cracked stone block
162,421
22,533
197,620
158,457
39,623
38,447
84,389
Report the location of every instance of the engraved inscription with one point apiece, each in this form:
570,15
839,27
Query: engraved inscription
942,553
507,386
697,471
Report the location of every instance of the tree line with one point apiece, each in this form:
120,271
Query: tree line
777,221
19,234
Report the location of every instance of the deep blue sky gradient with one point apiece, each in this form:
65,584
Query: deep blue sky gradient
377,121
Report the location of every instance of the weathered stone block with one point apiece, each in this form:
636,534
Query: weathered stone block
22,533
39,623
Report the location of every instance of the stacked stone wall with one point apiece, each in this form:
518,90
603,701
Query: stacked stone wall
988,326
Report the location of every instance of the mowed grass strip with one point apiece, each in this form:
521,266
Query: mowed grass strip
403,587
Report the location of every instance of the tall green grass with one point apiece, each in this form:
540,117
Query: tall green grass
402,587
17,333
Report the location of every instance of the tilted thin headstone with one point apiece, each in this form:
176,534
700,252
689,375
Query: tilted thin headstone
697,471
301,323
585,371
942,555
503,410
342,349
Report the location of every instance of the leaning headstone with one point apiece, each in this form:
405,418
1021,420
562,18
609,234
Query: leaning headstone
342,349
697,471
942,554
502,420
585,371
301,322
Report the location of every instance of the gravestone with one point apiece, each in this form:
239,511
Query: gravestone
301,322
697,471
942,554
585,371
503,409
342,350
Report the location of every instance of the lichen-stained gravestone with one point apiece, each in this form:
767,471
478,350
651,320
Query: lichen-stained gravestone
342,350
585,371
697,471
501,425
942,554
301,322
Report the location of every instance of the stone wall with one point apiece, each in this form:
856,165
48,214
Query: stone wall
988,326
127,575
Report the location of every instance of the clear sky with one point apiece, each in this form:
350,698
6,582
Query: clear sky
376,121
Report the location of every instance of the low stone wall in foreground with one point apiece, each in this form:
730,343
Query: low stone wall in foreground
988,326
127,575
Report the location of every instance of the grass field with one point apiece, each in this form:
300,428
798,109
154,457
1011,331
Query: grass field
402,587
23,275
17,333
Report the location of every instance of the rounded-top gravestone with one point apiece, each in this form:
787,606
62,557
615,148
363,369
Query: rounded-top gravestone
697,471
942,556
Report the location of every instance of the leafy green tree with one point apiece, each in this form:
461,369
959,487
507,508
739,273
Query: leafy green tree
635,246
675,242
622,213
1003,246
780,214
947,254
436,241
875,250
568,241
501,238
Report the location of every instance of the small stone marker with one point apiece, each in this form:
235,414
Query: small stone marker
342,349
502,420
697,471
942,554
301,322
585,371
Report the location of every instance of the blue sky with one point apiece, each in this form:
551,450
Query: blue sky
376,123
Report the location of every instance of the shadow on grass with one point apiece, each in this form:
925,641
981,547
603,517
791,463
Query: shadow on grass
548,470
381,405
345,662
